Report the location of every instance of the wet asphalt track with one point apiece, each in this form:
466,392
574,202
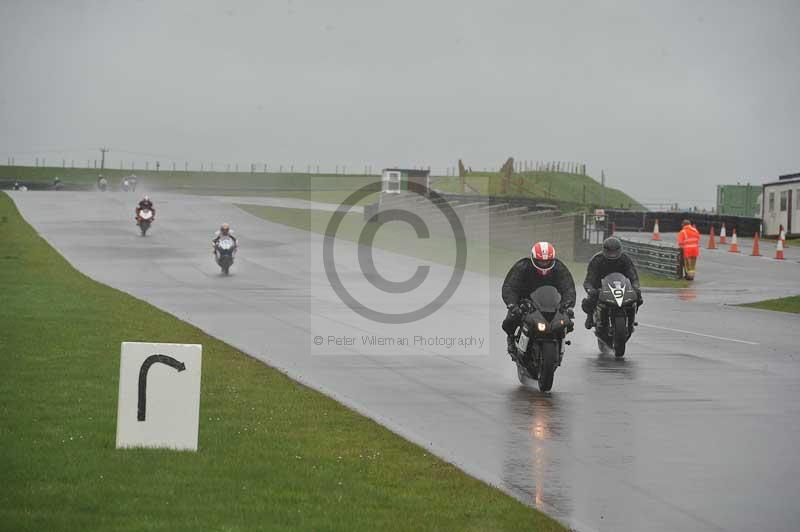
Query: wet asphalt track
698,429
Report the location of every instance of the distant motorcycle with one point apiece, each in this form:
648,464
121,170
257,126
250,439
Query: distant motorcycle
144,219
224,251
539,340
615,314
102,184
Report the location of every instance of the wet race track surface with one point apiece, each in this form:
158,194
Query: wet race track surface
697,429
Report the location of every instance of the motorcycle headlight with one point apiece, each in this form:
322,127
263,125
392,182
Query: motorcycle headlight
542,327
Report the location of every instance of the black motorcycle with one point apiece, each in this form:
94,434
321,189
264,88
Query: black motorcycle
615,314
224,252
539,340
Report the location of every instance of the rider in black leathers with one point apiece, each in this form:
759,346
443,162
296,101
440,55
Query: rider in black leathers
611,260
528,274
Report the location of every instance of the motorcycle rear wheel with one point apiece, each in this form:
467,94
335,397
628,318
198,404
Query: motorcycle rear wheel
524,374
620,336
603,347
547,369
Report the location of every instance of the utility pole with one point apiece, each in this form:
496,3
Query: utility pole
103,157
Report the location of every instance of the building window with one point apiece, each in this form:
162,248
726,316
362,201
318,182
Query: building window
784,198
771,202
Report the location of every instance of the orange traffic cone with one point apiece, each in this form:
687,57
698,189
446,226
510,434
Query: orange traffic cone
734,243
779,250
755,252
656,233
723,237
711,243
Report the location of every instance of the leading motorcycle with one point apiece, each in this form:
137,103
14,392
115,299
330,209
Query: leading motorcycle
224,250
615,314
144,219
539,340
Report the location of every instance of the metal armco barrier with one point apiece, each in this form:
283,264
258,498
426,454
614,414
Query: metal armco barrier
659,259
670,221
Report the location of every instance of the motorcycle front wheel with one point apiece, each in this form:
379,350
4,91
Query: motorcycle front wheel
547,369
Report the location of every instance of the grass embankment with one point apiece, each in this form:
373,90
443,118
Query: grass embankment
784,304
337,186
573,192
274,455
400,238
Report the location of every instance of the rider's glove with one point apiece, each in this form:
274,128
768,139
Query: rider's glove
592,293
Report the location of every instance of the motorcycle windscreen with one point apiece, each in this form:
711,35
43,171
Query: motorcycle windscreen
613,278
546,299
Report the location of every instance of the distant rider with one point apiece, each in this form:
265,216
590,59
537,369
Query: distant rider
542,268
145,204
224,231
611,260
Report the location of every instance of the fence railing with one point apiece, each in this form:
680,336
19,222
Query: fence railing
664,260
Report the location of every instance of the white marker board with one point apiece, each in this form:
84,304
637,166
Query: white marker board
159,395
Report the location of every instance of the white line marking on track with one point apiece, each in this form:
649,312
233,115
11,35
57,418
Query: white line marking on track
698,334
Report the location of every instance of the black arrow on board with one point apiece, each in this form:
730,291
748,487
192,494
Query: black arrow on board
149,361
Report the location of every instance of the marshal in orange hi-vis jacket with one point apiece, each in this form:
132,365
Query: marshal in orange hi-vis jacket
689,241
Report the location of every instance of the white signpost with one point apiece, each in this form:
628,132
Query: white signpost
159,395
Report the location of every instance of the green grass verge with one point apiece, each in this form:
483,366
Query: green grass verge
400,238
653,281
572,192
784,304
787,242
274,455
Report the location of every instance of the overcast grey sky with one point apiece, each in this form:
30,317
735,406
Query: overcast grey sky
670,98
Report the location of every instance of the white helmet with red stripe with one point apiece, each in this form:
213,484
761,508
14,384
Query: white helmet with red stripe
543,257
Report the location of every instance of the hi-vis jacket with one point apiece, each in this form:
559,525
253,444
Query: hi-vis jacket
689,240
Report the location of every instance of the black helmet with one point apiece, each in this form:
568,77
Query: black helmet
612,248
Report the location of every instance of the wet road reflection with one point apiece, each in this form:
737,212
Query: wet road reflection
687,294
533,465
611,365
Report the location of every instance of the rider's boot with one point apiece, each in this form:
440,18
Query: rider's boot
512,349
589,320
